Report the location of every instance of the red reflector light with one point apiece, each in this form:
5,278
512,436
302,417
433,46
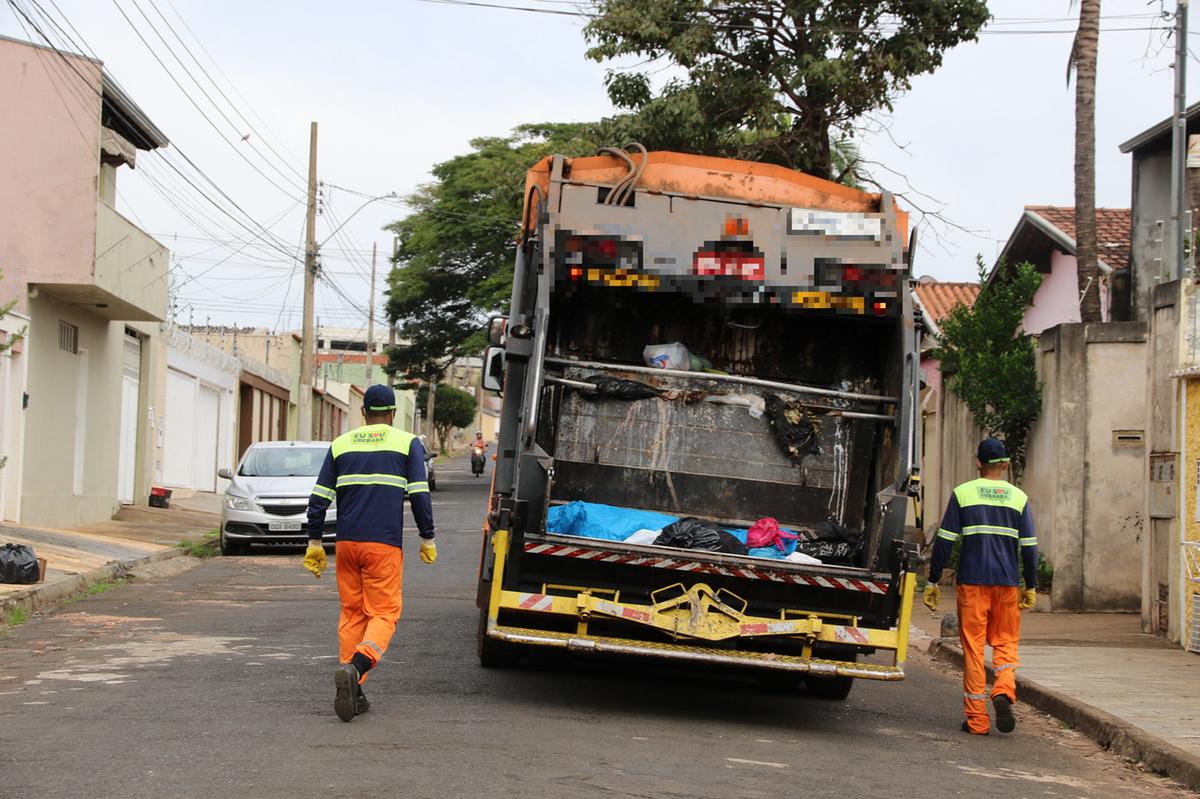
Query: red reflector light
880,308
729,264
575,273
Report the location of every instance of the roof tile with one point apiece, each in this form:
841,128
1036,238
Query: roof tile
1113,226
939,299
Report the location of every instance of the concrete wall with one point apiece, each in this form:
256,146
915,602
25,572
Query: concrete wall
1086,494
130,264
1151,206
1160,545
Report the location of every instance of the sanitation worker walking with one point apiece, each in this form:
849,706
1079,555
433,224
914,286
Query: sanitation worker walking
993,519
370,471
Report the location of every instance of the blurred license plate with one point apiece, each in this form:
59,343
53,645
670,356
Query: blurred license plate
284,527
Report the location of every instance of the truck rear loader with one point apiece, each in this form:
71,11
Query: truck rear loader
780,305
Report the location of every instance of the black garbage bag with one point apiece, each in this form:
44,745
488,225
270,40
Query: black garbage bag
831,542
618,388
796,428
693,533
18,564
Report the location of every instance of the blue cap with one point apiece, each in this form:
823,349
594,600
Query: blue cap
379,398
992,450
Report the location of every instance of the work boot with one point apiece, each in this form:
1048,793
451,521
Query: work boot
1005,720
345,701
363,703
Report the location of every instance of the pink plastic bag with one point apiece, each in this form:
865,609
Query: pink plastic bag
766,532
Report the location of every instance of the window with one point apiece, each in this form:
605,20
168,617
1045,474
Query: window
68,337
283,461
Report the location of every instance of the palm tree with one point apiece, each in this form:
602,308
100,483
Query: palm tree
1083,63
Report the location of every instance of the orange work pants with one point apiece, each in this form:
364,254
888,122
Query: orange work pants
369,578
987,614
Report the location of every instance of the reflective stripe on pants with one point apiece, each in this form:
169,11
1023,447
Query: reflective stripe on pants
987,614
369,578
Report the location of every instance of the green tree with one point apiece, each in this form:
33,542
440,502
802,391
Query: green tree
453,408
773,80
454,260
991,359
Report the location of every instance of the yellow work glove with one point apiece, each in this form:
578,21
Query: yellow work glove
428,551
932,592
1028,599
315,560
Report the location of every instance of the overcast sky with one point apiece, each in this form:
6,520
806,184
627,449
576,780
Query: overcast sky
399,85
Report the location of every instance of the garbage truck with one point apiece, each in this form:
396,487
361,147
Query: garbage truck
709,382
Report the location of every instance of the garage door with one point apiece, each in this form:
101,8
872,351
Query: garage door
180,434
208,417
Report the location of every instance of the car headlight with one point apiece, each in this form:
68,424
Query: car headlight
237,503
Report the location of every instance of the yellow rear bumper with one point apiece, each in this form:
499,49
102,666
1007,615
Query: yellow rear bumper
693,619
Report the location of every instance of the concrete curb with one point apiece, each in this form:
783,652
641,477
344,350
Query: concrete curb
1112,733
39,598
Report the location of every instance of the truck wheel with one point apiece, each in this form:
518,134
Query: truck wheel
832,688
494,654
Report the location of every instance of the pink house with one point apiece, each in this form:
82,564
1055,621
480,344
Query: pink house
79,394
1045,237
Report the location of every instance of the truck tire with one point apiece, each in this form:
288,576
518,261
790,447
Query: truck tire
834,689
494,654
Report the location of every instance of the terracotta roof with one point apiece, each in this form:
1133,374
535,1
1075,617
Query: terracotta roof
1113,227
348,358
939,299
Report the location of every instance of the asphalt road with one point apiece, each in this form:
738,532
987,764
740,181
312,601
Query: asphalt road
217,682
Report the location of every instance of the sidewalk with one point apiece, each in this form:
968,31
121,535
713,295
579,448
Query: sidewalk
83,556
1134,693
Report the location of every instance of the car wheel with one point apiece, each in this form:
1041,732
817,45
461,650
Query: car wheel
231,548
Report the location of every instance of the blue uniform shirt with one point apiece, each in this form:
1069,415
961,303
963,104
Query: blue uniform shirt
370,470
993,520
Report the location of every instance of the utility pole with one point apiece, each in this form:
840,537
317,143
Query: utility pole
371,321
304,429
1179,142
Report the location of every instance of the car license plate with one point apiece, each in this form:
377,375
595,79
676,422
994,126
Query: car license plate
284,527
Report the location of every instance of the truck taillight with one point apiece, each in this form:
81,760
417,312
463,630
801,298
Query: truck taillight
747,266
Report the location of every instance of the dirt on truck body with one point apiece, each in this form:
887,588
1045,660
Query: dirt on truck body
718,342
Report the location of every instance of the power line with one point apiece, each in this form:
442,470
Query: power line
90,85
190,99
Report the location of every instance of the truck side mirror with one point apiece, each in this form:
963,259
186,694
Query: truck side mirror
493,369
224,473
497,329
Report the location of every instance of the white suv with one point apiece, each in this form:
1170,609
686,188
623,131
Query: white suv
267,499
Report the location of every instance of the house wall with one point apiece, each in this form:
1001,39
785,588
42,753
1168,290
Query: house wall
13,377
48,186
1085,494
68,392
1151,206
1057,300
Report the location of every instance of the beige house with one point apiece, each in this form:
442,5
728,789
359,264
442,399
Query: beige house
92,285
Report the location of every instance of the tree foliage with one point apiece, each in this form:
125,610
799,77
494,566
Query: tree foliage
453,408
772,80
992,359
456,250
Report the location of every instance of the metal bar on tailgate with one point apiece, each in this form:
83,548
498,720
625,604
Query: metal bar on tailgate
747,381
